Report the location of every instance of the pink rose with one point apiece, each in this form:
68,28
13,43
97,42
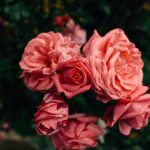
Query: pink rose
80,132
130,114
116,64
42,55
51,116
73,77
74,31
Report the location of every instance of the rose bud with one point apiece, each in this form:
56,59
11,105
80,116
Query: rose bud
130,113
73,77
66,18
80,132
51,116
58,21
116,64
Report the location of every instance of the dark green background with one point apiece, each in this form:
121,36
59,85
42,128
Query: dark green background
21,20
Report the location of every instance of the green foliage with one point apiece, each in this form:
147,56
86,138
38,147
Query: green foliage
21,20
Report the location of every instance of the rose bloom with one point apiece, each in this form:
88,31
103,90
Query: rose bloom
80,132
74,31
73,77
130,114
51,116
41,57
116,64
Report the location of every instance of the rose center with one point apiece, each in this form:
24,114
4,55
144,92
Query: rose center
72,76
77,76
125,65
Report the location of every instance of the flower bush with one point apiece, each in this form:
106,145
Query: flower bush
111,66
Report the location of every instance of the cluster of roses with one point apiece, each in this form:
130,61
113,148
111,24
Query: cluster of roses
111,66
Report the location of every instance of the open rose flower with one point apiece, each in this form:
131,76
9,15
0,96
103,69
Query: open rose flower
80,132
116,64
51,116
42,55
130,114
74,31
73,77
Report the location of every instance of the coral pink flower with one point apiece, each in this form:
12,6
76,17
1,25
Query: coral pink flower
130,114
51,116
116,64
75,32
80,132
41,57
73,77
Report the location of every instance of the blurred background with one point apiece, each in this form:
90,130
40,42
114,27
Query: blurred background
20,21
